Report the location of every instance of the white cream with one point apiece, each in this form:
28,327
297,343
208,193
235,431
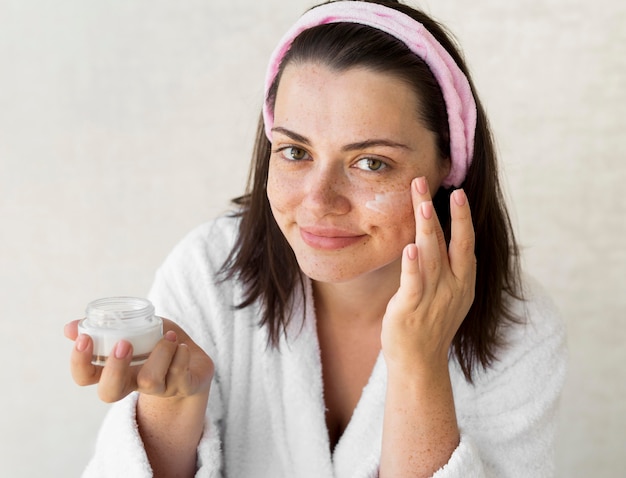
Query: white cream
385,203
112,319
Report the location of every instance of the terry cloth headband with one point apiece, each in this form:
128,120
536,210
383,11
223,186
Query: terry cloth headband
456,90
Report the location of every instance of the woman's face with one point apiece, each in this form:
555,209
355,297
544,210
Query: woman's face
345,148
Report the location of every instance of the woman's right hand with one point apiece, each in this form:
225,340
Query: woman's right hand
176,368
174,386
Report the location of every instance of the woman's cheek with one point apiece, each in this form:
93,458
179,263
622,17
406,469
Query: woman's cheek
280,191
390,203
392,213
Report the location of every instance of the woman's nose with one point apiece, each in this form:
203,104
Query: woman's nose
326,191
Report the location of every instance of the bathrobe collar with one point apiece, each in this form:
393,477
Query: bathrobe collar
295,393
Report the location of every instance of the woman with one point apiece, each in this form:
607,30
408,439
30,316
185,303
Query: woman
353,317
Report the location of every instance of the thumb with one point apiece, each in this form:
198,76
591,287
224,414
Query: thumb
70,330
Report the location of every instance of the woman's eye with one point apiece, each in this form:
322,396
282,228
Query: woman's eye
293,153
371,164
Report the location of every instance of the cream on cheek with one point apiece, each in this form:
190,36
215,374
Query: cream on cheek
389,202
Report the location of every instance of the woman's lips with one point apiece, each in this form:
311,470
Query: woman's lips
328,239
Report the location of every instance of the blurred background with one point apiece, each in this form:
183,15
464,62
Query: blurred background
124,124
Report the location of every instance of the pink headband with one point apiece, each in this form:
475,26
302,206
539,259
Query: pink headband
456,90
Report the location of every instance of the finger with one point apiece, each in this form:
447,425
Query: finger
429,257
82,370
116,380
420,193
411,287
178,379
70,330
152,376
462,241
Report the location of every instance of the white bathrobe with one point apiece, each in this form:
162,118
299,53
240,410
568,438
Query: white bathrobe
266,414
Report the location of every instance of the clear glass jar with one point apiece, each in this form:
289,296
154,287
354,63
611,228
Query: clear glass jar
112,319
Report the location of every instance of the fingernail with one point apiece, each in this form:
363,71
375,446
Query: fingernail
427,209
411,251
81,342
170,335
421,185
121,349
459,197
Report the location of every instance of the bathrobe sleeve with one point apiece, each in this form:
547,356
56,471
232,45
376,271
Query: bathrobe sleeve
507,418
185,290
120,450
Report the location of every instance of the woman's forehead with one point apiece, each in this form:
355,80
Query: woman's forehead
356,103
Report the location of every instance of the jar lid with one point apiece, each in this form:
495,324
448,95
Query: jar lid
119,312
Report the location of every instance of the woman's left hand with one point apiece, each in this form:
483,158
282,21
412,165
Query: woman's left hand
436,286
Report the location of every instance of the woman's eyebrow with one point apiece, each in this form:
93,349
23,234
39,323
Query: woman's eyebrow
292,134
369,143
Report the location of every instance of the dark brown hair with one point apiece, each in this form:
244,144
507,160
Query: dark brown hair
265,263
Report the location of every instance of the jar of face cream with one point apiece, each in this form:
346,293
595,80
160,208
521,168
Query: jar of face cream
112,319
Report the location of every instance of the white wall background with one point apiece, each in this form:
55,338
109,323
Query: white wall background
125,123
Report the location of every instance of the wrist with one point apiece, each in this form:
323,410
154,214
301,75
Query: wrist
417,368
176,407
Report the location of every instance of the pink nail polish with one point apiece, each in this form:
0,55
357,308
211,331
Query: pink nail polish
81,343
411,251
459,197
170,335
421,185
121,349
